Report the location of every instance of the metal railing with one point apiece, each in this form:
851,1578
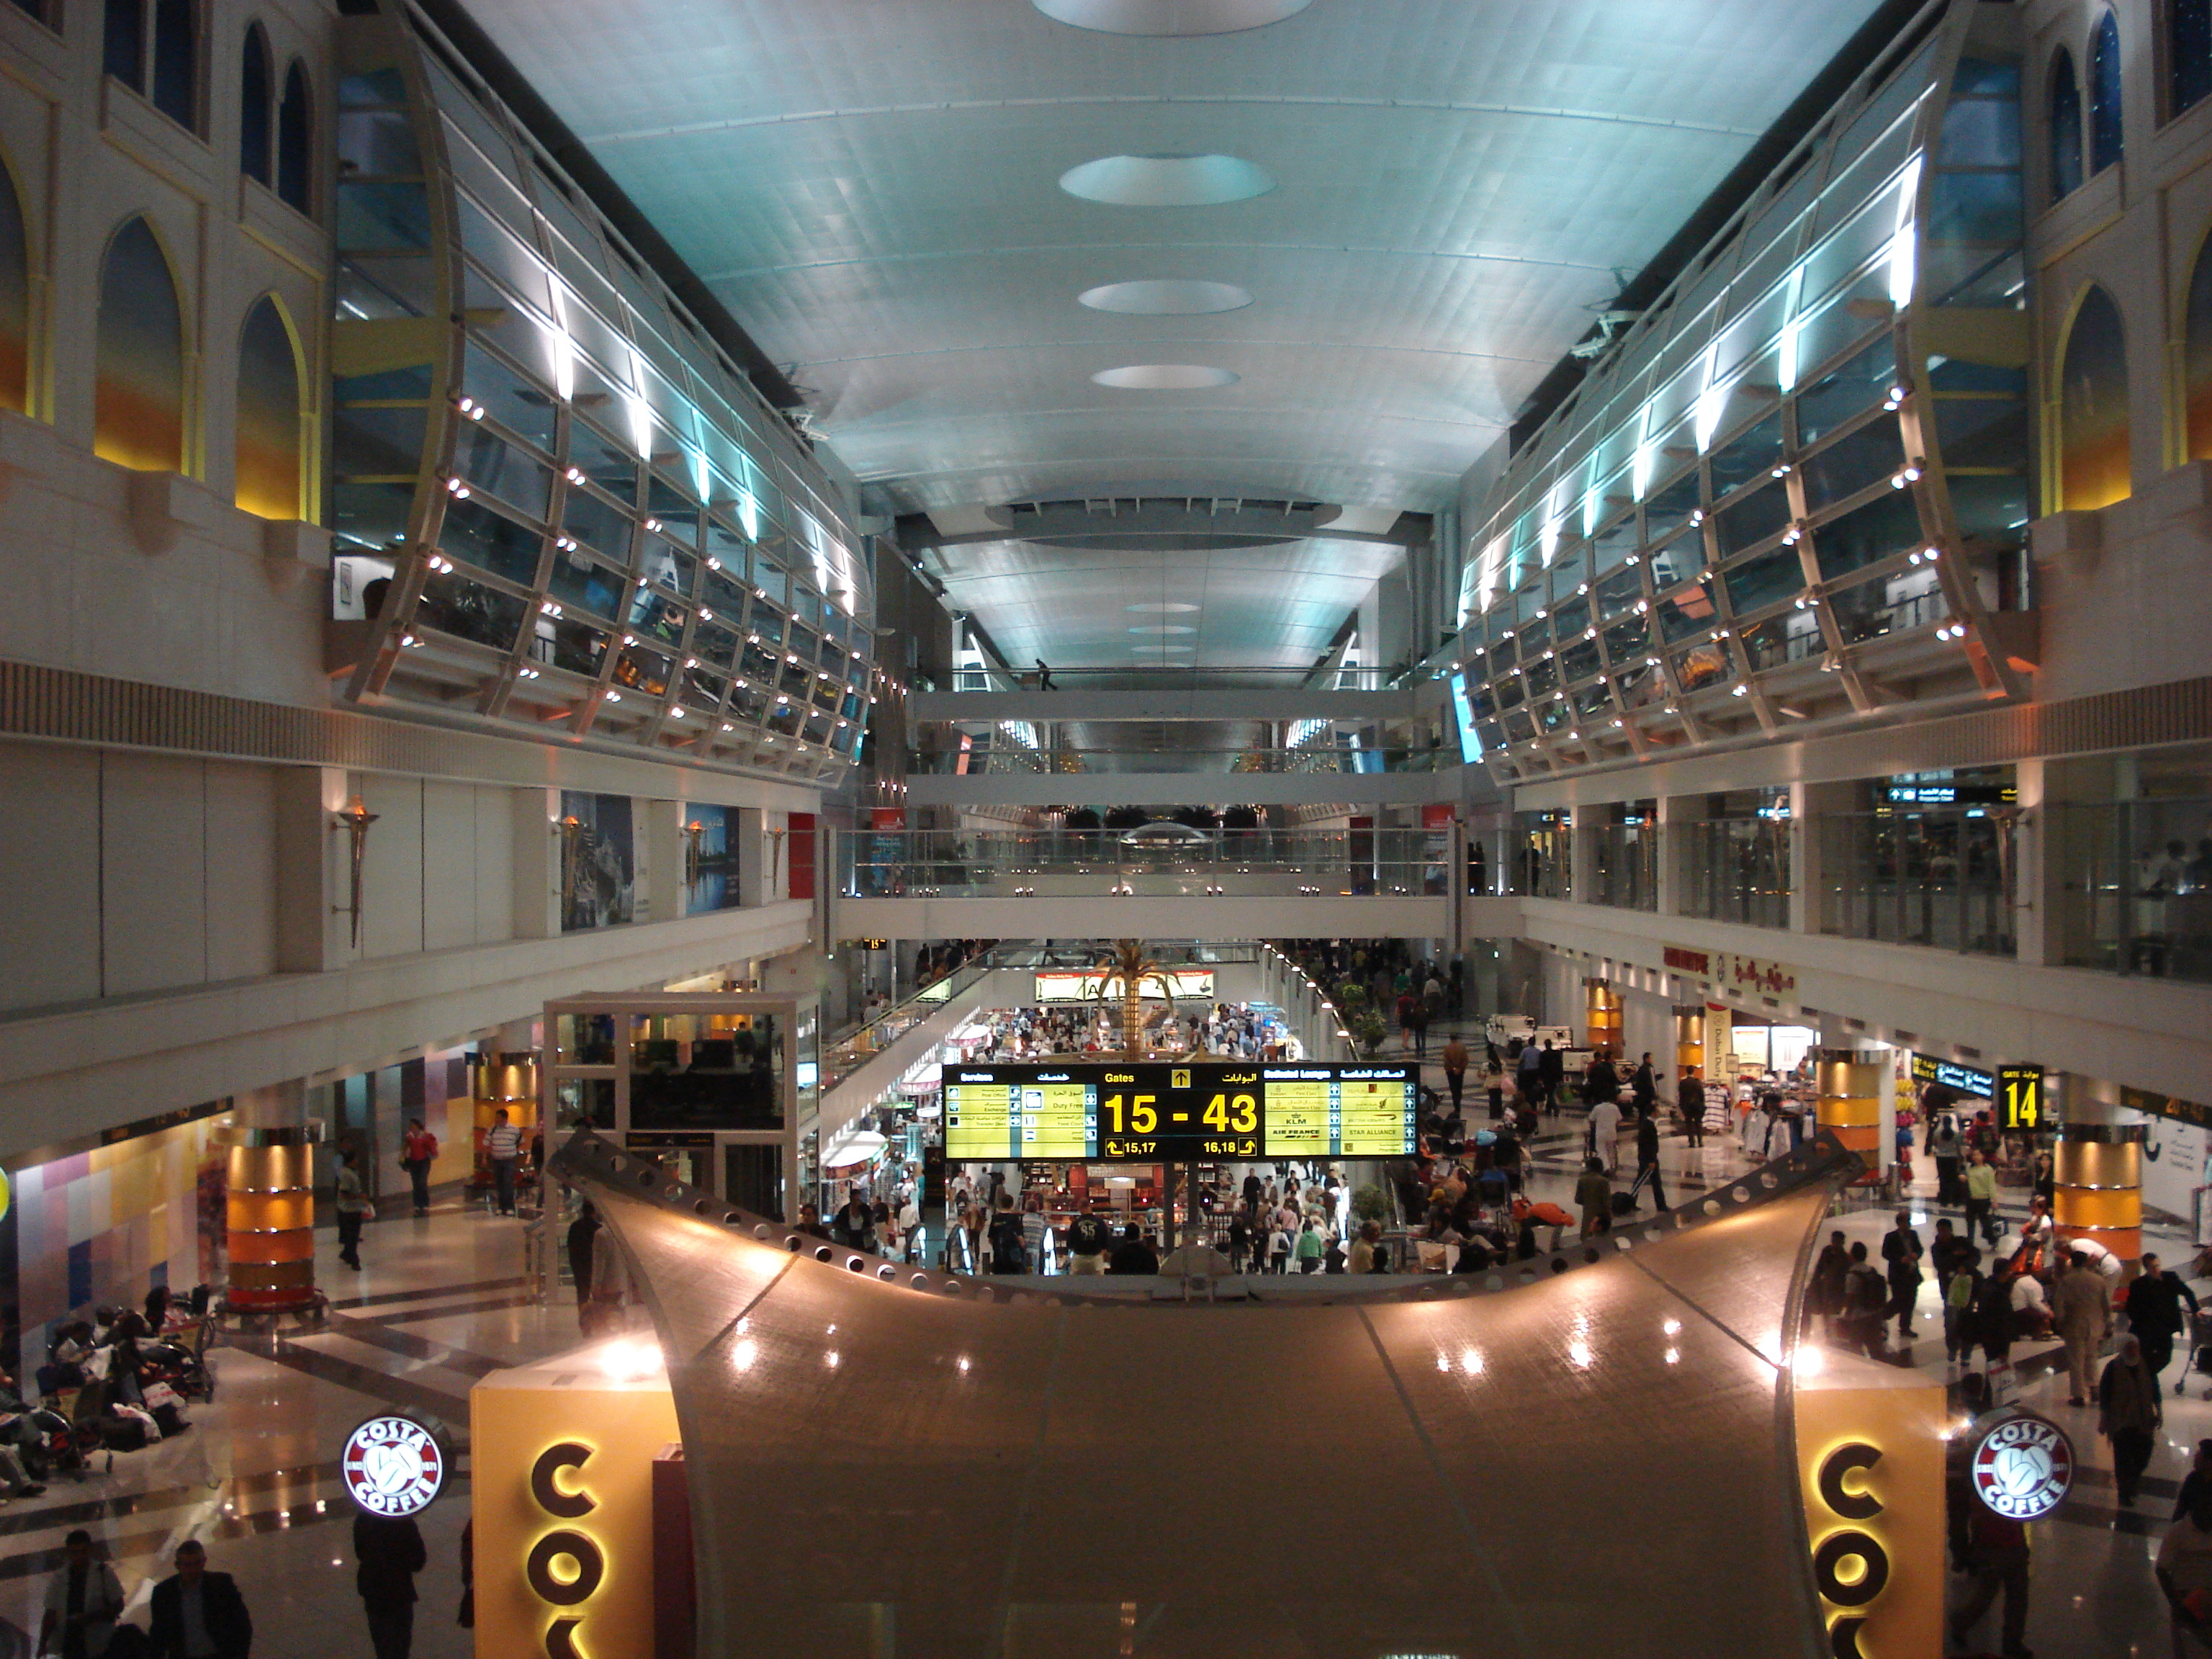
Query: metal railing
1135,678
1019,758
1076,863
1940,877
1736,870
1625,866
2136,884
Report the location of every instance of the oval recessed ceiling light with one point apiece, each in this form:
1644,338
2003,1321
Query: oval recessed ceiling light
1169,16
1167,180
1165,297
1162,628
1165,377
1162,607
1165,650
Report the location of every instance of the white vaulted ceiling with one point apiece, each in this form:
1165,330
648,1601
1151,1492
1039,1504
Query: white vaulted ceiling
873,188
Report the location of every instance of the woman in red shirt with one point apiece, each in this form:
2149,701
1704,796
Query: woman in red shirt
415,1156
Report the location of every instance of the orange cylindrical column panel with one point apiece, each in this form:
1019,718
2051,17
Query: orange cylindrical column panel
270,1210
1851,1085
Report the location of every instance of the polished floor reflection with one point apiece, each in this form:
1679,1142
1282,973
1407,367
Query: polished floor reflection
440,1303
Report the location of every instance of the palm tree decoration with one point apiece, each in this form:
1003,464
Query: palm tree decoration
1131,968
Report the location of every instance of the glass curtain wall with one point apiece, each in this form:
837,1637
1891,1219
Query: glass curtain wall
1805,459
587,518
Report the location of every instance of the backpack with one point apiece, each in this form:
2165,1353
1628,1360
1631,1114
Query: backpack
1864,1290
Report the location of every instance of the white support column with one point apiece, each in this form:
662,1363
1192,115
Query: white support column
2050,842
1583,825
313,875
1809,877
749,837
537,863
1674,814
660,863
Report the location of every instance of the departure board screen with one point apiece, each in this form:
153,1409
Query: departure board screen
1151,1112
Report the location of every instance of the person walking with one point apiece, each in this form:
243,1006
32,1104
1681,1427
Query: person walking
1593,1194
1643,1088
1601,1079
1044,677
503,1147
1529,1075
1554,1066
1824,1285
353,1208
2129,1415
2081,1308
1604,1134
1945,1147
2184,1566
1311,1248
1900,1254
2154,1314
389,1549
1981,1197
1417,1022
1455,1061
1689,1102
1866,1304
198,1614
1990,1549
583,1239
1647,1160
1087,1241
83,1602
416,1152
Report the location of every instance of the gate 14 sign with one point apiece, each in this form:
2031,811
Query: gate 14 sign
393,1466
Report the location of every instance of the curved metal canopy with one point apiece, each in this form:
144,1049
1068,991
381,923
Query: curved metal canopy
1566,1458
1425,202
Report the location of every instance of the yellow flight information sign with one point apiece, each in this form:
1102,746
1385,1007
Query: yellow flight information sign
1162,1112
993,1113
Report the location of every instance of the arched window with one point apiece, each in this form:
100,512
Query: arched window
2107,139
295,124
14,300
2092,407
256,98
139,391
2188,54
176,60
2065,126
2196,355
267,479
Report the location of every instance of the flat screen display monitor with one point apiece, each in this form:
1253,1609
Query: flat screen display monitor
1154,1112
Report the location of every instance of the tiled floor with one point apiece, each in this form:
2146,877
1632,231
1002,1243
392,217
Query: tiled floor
439,1304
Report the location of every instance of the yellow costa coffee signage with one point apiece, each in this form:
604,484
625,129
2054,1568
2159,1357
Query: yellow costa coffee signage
1870,1453
562,1485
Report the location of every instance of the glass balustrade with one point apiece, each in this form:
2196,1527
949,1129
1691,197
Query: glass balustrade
2135,885
1076,863
1942,878
1000,759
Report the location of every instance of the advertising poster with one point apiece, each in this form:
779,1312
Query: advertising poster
710,861
599,862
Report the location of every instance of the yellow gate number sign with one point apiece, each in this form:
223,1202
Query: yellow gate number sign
2020,1097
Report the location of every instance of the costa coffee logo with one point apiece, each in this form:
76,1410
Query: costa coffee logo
583,1566
1841,1483
2022,1467
393,1467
